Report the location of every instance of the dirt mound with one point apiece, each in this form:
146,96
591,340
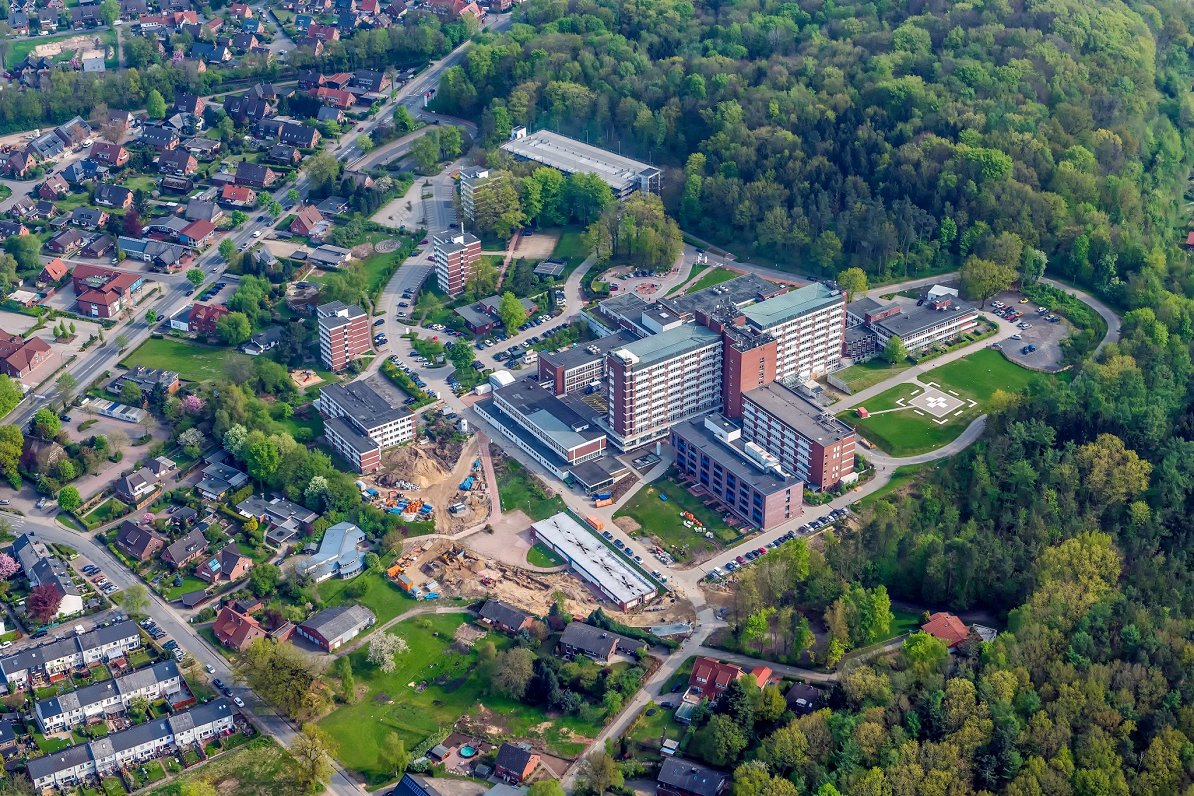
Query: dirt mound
362,250
627,524
410,463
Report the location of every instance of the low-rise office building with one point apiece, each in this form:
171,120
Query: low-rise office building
564,424
581,367
940,317
593,562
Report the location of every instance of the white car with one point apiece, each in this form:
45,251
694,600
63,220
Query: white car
256,233
240,703
209,668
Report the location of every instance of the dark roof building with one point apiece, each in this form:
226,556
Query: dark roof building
333,627
679,777
504,617
597,643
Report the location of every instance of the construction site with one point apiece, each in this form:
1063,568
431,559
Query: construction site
446,568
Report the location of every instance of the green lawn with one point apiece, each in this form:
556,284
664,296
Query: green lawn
870,373
647,734
541,556
661,520
902,477
433,686
259,768
904,622
141,183
192,361
570,248
189,583
381,597
981,374
105,512
518,489
715,276
906,433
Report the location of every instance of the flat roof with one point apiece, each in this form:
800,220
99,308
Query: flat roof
793,304
669,344
731,455
364,404
813,421
914,320
590,555
550,268
626,305
555,417
584,353
739,291
571,156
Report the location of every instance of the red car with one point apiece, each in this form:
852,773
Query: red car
740,560
762,551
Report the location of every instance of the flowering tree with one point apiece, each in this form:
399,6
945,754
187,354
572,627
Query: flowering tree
383,648
192,404
8,566
43,602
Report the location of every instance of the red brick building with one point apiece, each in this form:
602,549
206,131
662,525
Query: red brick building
18,356
236,630
712,677
343,334
455,255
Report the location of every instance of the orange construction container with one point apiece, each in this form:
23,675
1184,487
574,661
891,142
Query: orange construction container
596,523
605,502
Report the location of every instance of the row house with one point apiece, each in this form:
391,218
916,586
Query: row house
105,756
109,698
73,652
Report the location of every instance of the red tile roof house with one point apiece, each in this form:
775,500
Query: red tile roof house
109,154
307,221
948,628
103,292
18,356
335,98
198,233
235,630
515,763
54,272
238,195
204,317
710,677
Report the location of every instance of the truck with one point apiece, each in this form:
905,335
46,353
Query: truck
596,523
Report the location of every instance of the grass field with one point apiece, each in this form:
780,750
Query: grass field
541,556
661,519
714,276
189,583
259,768
22,47
906,433
192,361
518,489
570,248
433,686
868,374
105,512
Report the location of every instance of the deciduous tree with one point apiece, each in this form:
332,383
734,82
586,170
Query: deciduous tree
312,753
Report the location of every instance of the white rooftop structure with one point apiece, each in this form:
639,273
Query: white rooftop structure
624,175
593,560
339,553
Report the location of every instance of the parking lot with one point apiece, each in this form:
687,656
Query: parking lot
1037,342
749,557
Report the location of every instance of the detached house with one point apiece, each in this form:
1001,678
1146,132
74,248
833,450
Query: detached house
178,162
113,196
255,175
515,764
19,356
309,222
226,566
238,196
53,187
140,544
139,488
299,135
163,139
88,217
187,549
112,155
505,618
235,630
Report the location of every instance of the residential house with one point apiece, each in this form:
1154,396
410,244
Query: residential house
139,488
43,568
202,148
113,155
262,342
147,380
14,229
245,41
201,319
505,618
103,292
309,222
188,103
96,702
34,664
594,642
198,234
19,356
709,677
371,80
18,163
211,53
138,543
455,9
249,108
282,518
240,196
334,97
88,218
74,133
514,764
948,628
680,777
53,187
47,146
67,242
341,553
237,630
299,135
323,33
161,466
803,698
113,196
178,162
225,566
219,479
189,548
201,210
240,11
255,175
333,206
331,628
329,114
163,139
308,78
284,154
100,247
104,757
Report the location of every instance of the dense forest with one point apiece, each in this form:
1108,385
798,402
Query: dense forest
900,137
894,136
